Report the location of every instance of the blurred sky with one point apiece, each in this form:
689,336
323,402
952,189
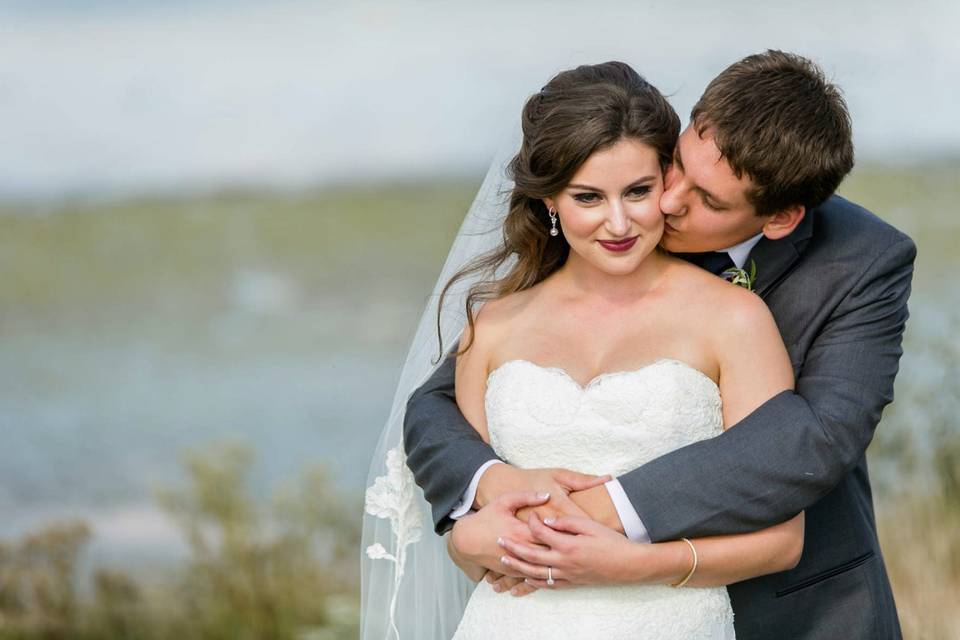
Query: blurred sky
108,97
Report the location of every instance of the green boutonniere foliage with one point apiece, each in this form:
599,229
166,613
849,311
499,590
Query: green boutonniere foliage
740,277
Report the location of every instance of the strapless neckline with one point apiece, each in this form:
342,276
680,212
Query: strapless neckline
605,375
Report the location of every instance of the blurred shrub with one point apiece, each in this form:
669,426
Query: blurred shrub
286,572
253,576
37,590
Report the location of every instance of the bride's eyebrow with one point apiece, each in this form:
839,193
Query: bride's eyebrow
587,187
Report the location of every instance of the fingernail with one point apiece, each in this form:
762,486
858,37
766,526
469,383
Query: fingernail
500,541
504,559
548,520
543,496
514,591
496,588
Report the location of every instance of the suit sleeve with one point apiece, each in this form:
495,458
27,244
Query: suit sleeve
443,450
797,446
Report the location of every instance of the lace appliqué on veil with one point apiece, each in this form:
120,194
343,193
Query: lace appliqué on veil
392,497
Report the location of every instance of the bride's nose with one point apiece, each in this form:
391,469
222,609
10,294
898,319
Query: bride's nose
617,223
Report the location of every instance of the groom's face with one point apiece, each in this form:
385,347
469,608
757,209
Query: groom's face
704,203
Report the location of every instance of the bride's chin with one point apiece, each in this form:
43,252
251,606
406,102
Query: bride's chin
620,268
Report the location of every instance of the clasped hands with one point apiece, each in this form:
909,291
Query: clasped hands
531,519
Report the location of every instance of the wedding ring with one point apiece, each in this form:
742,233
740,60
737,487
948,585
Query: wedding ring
550,579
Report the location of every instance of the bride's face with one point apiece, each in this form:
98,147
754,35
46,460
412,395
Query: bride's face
610,212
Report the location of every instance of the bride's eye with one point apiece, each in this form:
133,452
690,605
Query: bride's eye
586,198
640,191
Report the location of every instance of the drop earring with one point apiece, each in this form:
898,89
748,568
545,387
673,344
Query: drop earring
553,222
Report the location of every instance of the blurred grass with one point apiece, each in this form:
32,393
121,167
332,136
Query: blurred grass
361,261
150,255
66,254
164,268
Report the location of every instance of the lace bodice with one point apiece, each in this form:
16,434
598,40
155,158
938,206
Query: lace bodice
541,417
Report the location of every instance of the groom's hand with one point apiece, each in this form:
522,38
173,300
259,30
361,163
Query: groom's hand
516,586
559,483
596,504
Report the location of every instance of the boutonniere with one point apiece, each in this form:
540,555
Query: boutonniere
740,277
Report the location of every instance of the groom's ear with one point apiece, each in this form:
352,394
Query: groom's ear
782,223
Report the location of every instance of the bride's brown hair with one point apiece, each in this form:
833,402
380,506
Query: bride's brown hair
579,112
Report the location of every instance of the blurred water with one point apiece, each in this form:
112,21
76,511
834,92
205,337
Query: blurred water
91,424
113,96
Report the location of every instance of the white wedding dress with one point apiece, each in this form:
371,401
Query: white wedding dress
540,417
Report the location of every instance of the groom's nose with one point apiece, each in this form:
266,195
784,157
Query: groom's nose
672,200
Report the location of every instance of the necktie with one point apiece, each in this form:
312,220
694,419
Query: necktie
717,262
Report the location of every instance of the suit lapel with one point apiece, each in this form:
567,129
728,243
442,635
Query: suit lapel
775,258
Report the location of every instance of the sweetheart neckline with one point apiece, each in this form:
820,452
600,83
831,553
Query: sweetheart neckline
605,374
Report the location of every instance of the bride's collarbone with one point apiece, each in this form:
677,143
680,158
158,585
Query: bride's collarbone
587,349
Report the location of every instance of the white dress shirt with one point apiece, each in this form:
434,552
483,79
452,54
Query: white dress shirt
632,524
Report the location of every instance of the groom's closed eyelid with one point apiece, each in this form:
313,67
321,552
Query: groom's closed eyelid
710,201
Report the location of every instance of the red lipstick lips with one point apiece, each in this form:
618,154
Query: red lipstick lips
620,245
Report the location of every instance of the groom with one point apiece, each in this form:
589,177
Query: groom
751,184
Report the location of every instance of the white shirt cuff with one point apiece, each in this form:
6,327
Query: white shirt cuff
632,525
462,508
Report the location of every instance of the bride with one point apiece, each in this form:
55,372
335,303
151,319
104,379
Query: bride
586,347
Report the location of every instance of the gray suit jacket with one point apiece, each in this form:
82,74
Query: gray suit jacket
838,288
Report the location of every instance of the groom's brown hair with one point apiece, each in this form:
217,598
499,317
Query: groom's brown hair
775,118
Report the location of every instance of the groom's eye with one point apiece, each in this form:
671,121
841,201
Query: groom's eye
712,205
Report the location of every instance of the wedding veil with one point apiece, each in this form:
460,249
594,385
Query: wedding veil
410,589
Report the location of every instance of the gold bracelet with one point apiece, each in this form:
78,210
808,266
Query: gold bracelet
696,561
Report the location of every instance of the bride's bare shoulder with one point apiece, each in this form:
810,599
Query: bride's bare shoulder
498,314
493,322
707,294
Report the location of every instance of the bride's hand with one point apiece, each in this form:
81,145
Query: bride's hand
474,537
579,552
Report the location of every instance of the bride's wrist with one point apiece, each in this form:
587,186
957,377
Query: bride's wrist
675,561
472,570
462,541
658,563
